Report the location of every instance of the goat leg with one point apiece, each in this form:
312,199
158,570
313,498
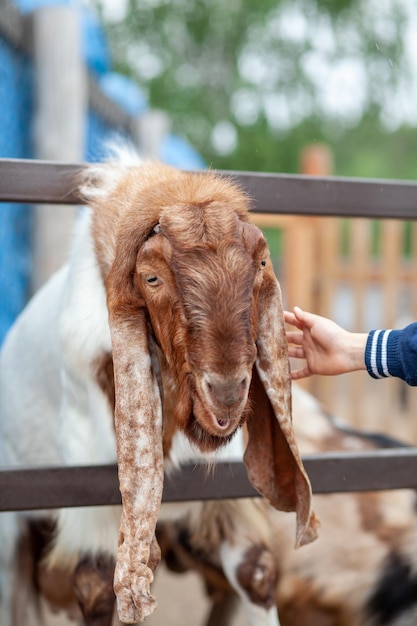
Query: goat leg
93,588
222,610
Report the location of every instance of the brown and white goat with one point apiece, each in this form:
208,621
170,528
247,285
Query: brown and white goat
361,572
167,318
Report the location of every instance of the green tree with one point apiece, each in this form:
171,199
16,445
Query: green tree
249,83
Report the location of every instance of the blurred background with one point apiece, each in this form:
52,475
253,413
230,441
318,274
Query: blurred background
318,87
250,83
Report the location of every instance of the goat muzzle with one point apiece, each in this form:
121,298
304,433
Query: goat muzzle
225,399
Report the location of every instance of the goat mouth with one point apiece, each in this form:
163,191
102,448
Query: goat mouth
219,425
209,441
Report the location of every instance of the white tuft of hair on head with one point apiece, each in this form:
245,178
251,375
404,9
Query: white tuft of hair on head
122,151
99,179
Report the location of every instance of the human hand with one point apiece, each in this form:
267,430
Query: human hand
327,348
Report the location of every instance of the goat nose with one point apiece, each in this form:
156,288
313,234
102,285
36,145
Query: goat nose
227,392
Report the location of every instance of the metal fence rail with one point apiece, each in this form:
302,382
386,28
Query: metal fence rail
56,487
44,182
38,488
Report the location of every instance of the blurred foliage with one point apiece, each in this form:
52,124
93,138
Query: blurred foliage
249,83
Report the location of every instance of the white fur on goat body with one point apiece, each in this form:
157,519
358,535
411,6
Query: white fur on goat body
31,432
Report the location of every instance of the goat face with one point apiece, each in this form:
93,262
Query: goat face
189,282
201,297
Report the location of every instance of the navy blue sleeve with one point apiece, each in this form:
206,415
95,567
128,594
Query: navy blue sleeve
393,353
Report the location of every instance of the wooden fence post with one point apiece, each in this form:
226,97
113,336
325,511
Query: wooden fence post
301,243
317,160
60,89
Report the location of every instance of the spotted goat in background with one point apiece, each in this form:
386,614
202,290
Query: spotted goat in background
362,571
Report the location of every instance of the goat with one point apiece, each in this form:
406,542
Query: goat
362,571
167,318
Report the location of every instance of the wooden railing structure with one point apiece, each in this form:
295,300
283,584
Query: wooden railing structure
324,197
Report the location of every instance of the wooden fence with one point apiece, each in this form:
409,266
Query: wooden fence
295,197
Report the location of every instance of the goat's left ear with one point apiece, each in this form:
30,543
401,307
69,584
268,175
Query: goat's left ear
272,458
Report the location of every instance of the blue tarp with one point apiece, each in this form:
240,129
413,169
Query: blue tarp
15,220
16,114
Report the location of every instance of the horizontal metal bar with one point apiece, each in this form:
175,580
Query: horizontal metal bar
45,488
16,27
330,196
38,182
42,182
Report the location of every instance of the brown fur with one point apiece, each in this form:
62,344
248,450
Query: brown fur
105,377
257,574
93,587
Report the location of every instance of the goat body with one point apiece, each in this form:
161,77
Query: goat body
167,319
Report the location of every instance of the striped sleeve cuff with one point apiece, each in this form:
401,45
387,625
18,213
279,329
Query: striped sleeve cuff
376,353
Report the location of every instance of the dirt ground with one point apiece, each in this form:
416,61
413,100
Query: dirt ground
182,600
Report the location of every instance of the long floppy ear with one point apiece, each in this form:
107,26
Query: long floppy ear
117,237
138,424
272,458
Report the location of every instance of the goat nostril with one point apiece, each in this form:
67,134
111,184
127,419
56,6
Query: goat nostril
226,392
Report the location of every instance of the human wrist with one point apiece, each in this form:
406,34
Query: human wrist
355,351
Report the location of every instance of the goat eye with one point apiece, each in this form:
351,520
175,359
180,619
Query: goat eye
263,263
153,280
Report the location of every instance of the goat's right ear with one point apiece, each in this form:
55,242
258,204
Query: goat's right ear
138,425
